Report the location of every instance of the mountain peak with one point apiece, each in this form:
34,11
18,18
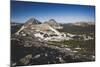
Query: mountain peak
52,20
53,24
32,21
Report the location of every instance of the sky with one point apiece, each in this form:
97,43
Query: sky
63,13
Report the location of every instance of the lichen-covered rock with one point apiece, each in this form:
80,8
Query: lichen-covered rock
26,59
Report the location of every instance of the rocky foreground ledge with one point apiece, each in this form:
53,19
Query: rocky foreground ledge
29,50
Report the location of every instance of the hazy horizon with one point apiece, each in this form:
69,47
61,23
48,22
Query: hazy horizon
63,13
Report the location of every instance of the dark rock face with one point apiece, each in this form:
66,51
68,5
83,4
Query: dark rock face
15,27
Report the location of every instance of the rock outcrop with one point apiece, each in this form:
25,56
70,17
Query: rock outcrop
29,50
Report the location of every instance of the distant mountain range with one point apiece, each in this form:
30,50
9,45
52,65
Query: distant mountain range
52,22
66,27
78,28
83,24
